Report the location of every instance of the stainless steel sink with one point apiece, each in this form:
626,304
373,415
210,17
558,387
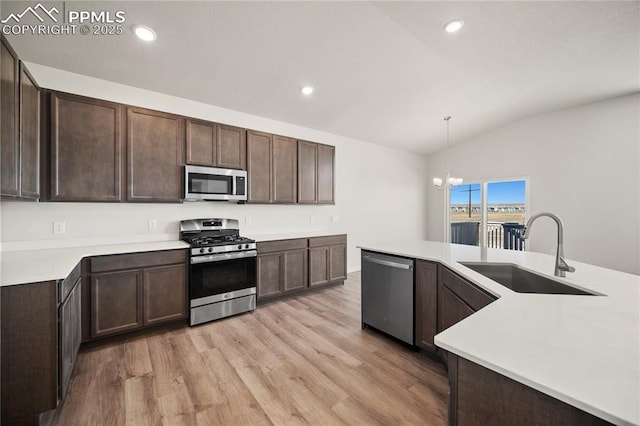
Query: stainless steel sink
522,281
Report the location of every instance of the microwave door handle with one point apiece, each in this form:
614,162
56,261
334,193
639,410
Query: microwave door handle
234,190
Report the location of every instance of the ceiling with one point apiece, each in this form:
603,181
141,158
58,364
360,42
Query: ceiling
384,72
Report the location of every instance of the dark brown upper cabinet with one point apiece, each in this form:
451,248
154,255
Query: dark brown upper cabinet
86,149
231,144
326,174
29,135
259,146
154,156
307,172
215,145
9,140
272,168
19,128
284,172
316,173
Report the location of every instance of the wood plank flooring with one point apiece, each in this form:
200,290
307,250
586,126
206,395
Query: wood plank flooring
300,361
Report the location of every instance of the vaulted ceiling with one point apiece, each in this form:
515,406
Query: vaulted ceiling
384,72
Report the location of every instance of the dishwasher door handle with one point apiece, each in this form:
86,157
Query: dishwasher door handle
387,263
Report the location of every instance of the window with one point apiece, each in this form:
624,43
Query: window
490,213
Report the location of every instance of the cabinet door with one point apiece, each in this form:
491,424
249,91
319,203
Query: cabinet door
116,302
29,135
231,147
326,158
259,167
29,351
9,148
70,335
450,308
86,149
426,304
307,172
154,162
201,142
338,262
269,275
165,293
285,158
318,266
295,270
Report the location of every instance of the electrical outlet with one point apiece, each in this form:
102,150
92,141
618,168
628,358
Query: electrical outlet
248,221
153,224
335,219
59,228
312,220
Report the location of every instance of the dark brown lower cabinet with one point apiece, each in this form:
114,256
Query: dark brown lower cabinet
426,304
480,396
29,351
116,302
132,291
282,267
318,266
291,266
327,259
69,335
458,298
269,275
295,270
164,289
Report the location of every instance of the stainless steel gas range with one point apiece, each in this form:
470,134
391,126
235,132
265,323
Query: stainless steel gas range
222,272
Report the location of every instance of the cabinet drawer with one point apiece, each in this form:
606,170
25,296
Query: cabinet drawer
327,241
282,245
137,260
467,292
65,286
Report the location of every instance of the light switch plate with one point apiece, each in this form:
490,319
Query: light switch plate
335,219
153,224
312,220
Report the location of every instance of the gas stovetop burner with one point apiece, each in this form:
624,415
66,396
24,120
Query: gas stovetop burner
212,240
210,236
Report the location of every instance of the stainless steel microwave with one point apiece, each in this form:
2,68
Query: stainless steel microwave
211,183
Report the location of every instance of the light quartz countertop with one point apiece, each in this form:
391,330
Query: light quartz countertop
582,350
30,266
291,235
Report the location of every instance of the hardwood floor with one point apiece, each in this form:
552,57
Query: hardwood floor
300,361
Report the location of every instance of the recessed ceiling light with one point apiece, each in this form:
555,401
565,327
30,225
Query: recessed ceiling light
454,26
307,90
144,33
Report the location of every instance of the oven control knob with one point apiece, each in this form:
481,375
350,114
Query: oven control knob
246,246
201,250
210,249
240,247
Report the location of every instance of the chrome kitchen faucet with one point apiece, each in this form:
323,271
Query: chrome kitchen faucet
561,265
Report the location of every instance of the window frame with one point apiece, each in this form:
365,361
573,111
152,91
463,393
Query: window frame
484,187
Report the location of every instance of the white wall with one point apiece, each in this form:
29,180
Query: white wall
380,192
583,164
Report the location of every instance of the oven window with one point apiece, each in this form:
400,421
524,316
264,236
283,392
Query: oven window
208,279
209,184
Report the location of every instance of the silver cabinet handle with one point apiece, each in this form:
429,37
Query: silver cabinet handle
223,256
387,263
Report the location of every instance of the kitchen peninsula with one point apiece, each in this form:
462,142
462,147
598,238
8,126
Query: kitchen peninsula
581,350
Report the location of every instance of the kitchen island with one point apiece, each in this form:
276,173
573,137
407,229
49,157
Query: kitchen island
581,350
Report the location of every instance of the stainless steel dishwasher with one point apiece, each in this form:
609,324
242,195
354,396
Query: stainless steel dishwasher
387,294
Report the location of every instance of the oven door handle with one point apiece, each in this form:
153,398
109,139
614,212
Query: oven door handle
223,256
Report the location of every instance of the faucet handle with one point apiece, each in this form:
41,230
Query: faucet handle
564,266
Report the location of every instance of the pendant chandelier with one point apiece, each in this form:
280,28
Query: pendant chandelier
449,181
